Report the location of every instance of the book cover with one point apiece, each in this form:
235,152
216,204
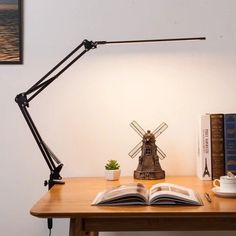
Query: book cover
230,142
217,145
204,171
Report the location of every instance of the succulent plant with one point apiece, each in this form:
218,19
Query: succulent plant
112,165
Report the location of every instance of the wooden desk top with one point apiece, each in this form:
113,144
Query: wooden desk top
73,199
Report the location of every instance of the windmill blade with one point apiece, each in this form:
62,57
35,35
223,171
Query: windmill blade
137,128
161,154
161,128
135,150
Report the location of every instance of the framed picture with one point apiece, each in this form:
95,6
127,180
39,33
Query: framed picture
11,35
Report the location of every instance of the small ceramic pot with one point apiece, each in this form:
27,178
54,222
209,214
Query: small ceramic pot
112,174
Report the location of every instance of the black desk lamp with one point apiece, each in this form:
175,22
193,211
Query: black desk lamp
23,99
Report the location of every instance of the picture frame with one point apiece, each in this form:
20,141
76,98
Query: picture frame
11,31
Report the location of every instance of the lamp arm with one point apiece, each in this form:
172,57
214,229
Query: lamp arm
88,45
43,83
54,170
23,101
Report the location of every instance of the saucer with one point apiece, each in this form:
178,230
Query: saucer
221,193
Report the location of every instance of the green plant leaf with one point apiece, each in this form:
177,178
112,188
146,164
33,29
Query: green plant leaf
112,165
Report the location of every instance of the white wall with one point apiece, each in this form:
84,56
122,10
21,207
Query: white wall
92,104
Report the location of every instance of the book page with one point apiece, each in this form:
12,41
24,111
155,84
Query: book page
172,193
127,193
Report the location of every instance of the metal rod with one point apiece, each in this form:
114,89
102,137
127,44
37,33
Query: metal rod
55,67
42,86
38,138
150,40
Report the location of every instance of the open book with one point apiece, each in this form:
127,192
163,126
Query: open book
138,194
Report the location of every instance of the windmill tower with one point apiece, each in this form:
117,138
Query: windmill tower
148,166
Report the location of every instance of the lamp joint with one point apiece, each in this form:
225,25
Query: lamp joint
89,45
21,99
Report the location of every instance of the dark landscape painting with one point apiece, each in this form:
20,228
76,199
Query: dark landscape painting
11,32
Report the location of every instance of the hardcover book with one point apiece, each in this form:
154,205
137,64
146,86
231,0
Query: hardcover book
138,194
217,145
204,171
230,142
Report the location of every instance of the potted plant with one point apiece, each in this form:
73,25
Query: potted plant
112,170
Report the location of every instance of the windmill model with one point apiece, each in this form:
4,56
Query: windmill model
148,166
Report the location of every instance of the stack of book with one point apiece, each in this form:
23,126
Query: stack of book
216,146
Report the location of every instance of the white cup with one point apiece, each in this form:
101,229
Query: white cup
226,183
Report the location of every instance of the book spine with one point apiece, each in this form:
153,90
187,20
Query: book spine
217,145
230,142
204,171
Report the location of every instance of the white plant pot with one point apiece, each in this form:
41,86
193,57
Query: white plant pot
112,174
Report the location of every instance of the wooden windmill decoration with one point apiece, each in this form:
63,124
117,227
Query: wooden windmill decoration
148,166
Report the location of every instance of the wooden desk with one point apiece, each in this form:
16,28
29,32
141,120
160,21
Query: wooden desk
73,200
